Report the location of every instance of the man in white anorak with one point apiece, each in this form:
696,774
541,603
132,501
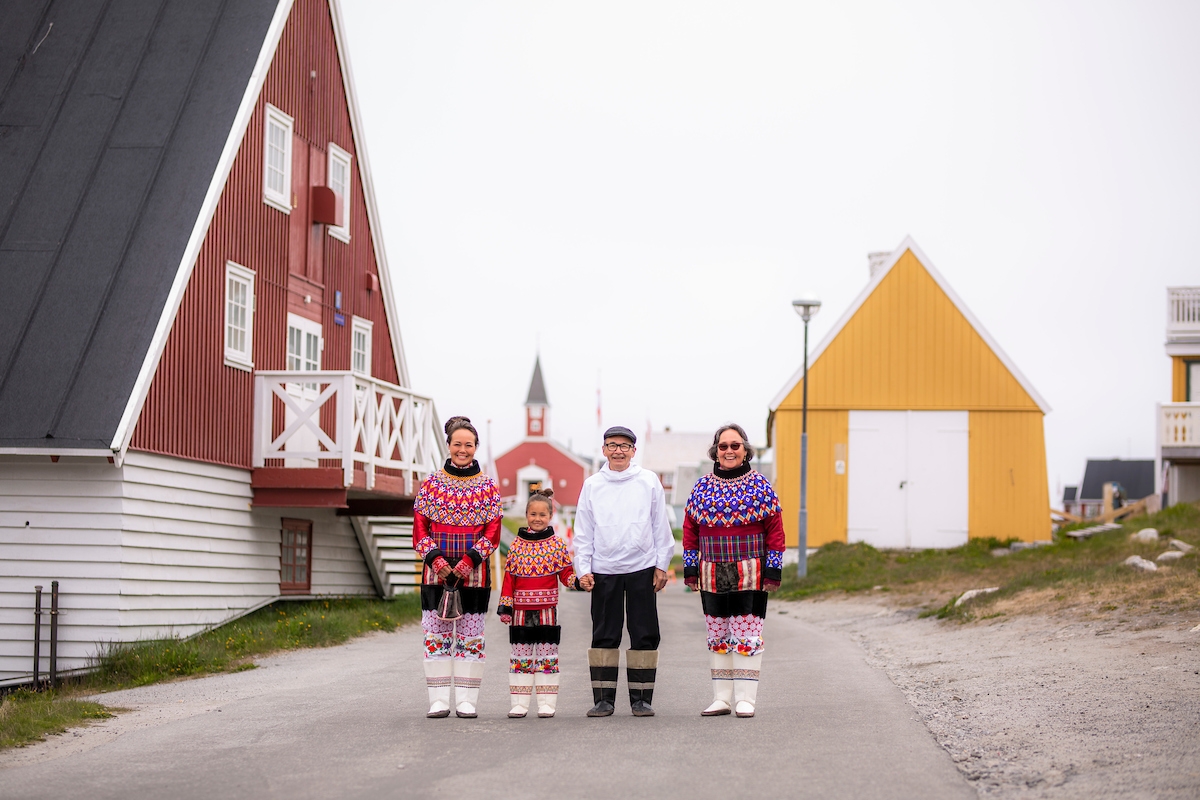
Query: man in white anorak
623,546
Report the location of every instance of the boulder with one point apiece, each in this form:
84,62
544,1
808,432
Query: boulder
973,593
1169,556
1145,535
1137,562
1182,547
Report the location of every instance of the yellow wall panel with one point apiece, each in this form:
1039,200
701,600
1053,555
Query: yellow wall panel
826,489
1178,380
908,347
1009,496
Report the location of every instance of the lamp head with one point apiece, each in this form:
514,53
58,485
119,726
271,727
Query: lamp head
807,306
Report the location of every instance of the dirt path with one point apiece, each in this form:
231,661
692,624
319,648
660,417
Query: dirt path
1041,706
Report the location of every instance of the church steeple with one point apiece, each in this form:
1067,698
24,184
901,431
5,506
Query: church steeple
537,418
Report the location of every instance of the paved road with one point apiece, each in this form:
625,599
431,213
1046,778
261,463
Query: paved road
349,722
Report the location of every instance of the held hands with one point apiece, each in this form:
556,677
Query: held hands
443,569
588,582
464,569
660,580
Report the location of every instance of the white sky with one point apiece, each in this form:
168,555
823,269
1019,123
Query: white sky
643,187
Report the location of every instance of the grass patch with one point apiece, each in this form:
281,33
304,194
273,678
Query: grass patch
26,716
1087,573
280,626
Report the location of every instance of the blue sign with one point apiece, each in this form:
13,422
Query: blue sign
338,319
337,301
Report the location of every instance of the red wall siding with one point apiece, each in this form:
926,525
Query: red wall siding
197,407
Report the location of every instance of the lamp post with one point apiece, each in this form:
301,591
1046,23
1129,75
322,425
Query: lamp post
807,307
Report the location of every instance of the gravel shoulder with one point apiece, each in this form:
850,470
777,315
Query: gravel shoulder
1055,705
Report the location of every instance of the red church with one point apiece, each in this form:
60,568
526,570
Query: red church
538,460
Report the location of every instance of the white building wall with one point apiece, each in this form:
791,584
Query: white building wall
158,547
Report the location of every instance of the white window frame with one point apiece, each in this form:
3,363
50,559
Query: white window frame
339,156
281,200
244,358
363,326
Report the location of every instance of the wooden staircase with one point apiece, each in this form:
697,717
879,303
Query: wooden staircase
387,544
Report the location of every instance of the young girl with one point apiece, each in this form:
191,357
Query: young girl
537,561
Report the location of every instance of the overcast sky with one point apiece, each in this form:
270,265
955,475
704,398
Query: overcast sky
640,189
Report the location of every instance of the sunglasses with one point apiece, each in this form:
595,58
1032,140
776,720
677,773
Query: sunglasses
734,446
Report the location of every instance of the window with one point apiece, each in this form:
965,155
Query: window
339,181
360,346
295,557
304,344
1193,381
239,316
277,160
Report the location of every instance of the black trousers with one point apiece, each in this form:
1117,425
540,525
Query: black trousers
614,597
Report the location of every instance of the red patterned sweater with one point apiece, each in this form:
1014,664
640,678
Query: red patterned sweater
537,562
732,516
456,522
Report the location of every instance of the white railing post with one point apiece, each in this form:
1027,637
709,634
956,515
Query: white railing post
345,424
370,431
261,422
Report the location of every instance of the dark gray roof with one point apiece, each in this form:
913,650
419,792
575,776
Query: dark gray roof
1070,494
113,117
537,389
1136,477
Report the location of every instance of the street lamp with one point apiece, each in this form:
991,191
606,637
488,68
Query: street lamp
807,307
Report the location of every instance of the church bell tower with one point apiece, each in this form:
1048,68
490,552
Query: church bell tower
537,407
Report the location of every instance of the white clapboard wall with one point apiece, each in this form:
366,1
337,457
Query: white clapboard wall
157,547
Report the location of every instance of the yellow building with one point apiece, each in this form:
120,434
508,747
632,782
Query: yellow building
921,431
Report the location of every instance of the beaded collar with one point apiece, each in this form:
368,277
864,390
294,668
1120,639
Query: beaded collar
727,498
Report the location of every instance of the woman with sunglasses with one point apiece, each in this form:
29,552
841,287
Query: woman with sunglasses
733,554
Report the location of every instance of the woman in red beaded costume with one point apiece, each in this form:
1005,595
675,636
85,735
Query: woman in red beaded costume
456,526
537,562
733,553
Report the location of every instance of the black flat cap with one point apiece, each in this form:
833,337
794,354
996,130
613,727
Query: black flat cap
620,430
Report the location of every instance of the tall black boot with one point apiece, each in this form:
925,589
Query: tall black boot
604,664
641,666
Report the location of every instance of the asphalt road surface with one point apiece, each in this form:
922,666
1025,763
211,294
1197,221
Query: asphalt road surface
350,721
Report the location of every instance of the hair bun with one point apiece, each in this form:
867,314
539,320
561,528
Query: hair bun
455,422
547,493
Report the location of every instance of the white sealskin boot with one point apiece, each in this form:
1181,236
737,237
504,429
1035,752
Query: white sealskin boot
437,681
721,667
547,693
468,673
745,684
520,689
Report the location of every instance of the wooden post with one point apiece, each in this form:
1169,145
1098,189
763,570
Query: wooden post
1108,499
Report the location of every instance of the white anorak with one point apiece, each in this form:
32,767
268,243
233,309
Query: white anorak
621,523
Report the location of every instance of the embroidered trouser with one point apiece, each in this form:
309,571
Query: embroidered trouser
462,638
533,638
735,621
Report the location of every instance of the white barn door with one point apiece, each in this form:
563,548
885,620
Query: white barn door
908,481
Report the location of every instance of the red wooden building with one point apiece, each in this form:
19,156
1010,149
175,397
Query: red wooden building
204,404
539,460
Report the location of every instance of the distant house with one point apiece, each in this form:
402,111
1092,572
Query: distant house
538,460
204,403
1134,480
922,431
1178,422
679,459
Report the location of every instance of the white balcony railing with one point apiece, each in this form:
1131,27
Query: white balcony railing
345,418
1179,425
1183,310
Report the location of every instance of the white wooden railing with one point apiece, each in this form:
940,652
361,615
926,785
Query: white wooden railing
1179,425
367,421
1183,310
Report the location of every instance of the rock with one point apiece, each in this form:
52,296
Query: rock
1145,535
1000,551
1169,556
973,593
1183,547
1137,562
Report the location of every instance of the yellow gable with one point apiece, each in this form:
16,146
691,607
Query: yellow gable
908,346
